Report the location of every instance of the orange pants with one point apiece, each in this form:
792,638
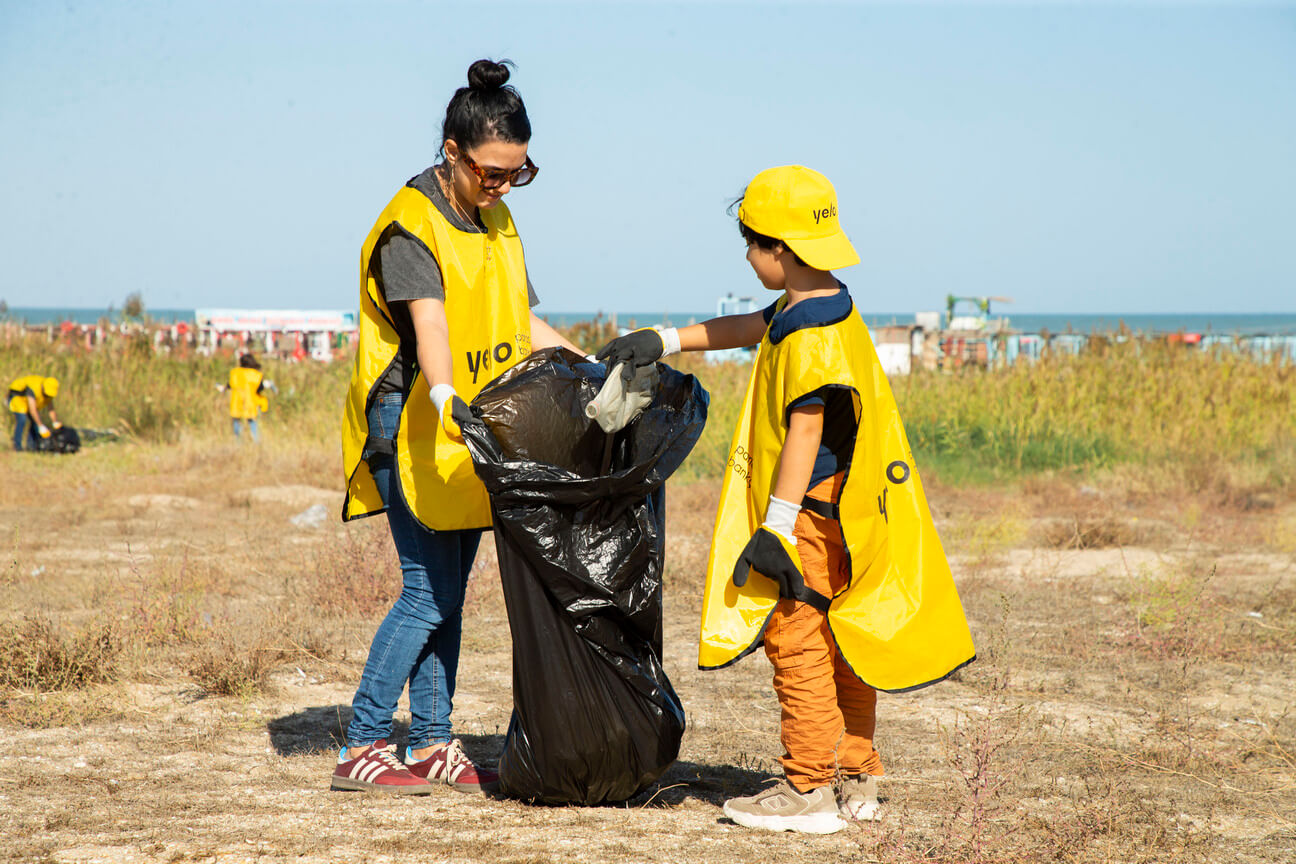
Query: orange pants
828,714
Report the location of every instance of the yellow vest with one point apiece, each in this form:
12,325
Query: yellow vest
18,398
489,319
244,400
899,622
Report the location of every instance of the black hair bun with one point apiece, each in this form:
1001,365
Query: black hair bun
487,75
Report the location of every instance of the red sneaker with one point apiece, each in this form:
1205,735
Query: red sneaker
377,768
450,765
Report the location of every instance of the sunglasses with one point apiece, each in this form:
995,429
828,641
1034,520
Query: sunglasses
496,178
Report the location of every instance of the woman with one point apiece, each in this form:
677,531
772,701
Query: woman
445,305
247,398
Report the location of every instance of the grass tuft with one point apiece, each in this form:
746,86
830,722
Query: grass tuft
229,667
36,655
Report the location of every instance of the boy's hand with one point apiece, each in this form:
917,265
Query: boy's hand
635,349
775,558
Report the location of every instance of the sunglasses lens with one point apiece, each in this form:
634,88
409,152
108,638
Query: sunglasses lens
495,179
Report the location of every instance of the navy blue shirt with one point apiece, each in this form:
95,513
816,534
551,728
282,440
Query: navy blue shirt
839,426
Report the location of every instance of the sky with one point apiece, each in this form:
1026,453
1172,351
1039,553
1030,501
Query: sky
1078,158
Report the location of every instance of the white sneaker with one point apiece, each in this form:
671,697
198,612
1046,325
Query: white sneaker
782,808
859,799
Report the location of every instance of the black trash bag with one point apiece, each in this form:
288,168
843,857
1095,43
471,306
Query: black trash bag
65,439
579,520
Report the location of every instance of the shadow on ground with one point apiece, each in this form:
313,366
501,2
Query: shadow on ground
323,728
711,784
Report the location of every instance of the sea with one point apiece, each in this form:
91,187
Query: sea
1271,324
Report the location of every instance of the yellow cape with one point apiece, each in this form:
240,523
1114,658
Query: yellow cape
899,623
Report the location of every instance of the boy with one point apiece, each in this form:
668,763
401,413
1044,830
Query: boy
822,503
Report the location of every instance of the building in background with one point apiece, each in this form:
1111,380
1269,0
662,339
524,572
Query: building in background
285,333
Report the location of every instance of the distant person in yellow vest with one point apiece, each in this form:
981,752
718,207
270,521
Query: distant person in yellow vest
824,548
445,306
29,396
247,397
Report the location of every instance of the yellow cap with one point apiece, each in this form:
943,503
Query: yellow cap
798,206
50,387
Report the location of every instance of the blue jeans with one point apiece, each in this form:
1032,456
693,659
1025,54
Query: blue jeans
21,422
418,641
252,429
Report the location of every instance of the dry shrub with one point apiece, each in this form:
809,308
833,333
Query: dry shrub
35,655
1282,534
165,612
981,537
356,575
1090,532
229,666
1180,615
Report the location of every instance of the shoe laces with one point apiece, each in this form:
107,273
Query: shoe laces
778,786
454,754
387,756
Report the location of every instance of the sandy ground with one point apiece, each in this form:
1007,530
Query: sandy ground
1132,702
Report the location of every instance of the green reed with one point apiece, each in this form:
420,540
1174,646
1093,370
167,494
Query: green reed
1140,401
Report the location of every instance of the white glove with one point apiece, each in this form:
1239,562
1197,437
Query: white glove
670,341
780,517
444,398
440,395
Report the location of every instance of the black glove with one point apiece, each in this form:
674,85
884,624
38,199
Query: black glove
773,557
455,414
462,414
635,349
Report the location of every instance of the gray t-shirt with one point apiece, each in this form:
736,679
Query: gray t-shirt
405,269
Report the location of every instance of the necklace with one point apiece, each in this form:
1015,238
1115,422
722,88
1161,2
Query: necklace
447,187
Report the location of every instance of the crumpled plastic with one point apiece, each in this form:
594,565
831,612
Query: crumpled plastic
579,520
619,401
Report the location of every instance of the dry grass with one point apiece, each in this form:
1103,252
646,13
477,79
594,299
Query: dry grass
34,655
234,666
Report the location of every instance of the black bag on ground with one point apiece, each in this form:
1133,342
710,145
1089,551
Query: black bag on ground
65,439
579,525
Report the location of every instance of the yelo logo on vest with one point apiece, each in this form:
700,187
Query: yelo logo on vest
484,358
